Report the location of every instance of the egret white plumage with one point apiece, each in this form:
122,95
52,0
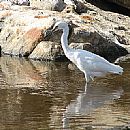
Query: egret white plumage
89,63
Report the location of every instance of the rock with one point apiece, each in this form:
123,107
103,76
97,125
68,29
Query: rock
124,3
99,45
20,2
60,5
3,15
57,5
122,58
47,51
78,5
104,33
5,5
69,9
25,45
24,2
21,40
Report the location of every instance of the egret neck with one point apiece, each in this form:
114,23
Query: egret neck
64,40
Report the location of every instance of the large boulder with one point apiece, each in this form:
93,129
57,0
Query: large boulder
23,31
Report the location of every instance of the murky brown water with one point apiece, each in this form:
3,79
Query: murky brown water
38,95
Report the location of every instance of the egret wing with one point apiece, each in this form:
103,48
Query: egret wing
92,62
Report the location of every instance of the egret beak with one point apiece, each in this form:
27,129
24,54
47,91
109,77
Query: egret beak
48,33
55,29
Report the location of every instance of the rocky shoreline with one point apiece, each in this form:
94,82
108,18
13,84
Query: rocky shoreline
23,28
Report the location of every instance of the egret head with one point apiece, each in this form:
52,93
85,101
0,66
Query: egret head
60,25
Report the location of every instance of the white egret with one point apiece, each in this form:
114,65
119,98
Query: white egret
89,63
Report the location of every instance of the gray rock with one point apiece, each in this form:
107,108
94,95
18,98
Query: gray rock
60,5
57,5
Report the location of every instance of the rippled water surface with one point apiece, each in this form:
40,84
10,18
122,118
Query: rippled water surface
38,95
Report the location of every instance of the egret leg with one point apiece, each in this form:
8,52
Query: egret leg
87,80
87,77
86,87
92,78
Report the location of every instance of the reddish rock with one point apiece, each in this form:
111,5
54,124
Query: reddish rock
31,38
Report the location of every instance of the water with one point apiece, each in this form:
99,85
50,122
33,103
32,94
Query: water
38,95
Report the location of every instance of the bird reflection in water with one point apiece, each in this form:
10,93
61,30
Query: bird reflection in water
87,102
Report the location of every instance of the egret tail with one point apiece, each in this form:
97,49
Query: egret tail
116,69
